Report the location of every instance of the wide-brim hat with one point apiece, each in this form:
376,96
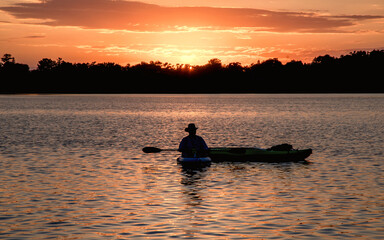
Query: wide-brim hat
190,127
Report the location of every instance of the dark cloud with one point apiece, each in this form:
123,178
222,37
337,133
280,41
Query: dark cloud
34,36
138,16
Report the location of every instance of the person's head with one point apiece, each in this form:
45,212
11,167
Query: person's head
191,129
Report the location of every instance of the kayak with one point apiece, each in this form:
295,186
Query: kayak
194,160
257,155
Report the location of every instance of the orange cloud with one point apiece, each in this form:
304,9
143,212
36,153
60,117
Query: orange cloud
138,16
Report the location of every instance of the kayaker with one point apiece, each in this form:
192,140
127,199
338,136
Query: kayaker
193,145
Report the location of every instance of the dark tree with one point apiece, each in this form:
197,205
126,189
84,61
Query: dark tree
358,71
46,64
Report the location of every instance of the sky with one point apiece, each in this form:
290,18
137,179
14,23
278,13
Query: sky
188,31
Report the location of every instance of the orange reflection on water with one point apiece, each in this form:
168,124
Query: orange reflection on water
67,174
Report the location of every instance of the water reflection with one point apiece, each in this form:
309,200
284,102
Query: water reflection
72,168
191,177
193,188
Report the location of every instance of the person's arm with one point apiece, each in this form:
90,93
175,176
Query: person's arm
204,145
182,145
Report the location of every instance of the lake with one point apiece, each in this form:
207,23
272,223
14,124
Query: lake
72,167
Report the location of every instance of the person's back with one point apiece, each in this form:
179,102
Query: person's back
193,145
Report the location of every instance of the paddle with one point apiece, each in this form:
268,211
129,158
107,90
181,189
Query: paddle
156,150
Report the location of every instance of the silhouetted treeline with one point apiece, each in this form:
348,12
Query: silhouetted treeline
359,71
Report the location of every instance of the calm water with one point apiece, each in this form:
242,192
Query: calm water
72,167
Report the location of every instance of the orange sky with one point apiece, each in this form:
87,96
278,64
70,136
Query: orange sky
181,31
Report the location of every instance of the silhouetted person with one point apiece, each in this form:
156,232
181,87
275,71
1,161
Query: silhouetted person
193,145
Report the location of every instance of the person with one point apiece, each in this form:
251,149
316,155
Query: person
193,145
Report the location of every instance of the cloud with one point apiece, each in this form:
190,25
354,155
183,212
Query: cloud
192,55
138,16
34,36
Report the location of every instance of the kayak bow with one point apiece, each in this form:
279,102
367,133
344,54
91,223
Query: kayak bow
257,155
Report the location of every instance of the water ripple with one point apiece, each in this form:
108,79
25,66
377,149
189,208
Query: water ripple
72,167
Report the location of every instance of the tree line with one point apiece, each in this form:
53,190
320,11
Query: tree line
359,71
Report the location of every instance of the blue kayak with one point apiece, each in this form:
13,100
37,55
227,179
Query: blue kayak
194,160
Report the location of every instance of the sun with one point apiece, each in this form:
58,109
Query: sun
188,59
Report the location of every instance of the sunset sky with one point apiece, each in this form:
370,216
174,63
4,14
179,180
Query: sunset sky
194,31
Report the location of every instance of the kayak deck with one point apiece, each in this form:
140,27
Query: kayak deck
257,155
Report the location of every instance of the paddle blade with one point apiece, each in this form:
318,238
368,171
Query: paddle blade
151,150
